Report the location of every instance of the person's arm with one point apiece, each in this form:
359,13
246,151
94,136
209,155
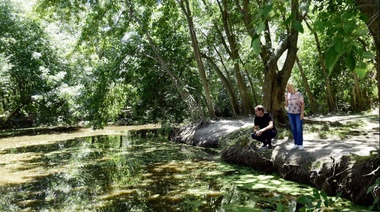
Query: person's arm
302,106
270,126
302,110
255,128
286,99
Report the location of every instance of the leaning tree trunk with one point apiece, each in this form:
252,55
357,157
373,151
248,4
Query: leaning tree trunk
357,92
371,8
227,85
195,109
254,92
233,51
313,105
186,10
329,94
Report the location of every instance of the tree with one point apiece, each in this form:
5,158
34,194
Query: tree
185,57
218,59
345,42
313,105
5,66
184,5
329,94
193,105
125,40
32,80
371,11
233,50
275,79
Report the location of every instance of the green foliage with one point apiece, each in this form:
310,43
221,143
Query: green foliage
345,30
120,67
114,66
256,46
282,133
298,26
32,80
342,53
264,14
375,191
317,201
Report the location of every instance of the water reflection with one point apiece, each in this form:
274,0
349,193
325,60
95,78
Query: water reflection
124,173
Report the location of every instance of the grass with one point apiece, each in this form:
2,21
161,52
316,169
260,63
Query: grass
328,129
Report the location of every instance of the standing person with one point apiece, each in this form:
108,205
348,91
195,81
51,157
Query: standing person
264,129
295,107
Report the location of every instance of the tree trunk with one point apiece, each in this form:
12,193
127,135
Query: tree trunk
227,85
311,98
254,92
193,105
358,94
233,51
329,94
371,8
281,79
274,80
10,116
3,102
186,10
378,73
354,105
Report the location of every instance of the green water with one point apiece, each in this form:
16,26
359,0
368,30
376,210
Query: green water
122,173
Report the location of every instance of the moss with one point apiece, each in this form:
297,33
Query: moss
282,133
316,165
238,136
323,134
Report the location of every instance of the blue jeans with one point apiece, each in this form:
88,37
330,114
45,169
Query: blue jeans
297,128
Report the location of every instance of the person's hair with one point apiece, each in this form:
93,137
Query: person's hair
291,86
259,107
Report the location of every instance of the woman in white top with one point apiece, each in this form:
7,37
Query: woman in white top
295,107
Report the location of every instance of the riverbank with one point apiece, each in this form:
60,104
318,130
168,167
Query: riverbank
341,152
41,136
335,158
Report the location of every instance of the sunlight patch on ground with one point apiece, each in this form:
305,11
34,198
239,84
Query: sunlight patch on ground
117,193
228,127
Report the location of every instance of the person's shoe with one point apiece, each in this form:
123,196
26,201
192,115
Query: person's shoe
300,147
270,147
295,147
264,145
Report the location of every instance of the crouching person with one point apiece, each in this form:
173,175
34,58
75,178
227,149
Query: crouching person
263,129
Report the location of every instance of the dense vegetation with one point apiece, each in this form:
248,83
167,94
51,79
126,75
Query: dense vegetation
141,61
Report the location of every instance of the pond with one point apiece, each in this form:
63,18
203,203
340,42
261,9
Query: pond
130,173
